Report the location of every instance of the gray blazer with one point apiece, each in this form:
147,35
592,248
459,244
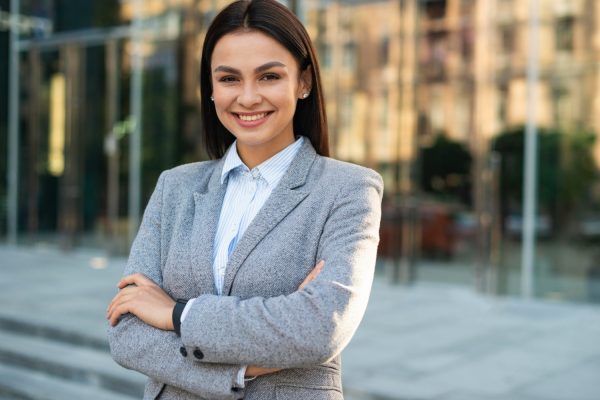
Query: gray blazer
321,209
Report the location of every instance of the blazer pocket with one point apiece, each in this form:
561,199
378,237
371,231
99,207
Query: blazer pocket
299,392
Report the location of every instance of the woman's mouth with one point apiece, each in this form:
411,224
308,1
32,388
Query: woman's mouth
253,119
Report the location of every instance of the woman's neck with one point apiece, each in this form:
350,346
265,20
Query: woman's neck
254,155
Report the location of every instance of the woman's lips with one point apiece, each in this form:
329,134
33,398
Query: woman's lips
248,120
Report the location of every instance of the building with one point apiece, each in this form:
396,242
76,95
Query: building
421,90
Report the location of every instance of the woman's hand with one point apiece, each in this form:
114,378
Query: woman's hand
143,298
253,371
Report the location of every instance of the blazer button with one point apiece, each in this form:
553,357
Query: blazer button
198,354
183,351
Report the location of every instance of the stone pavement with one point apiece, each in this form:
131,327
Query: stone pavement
427,342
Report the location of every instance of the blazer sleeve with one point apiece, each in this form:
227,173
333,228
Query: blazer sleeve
309,326
154,352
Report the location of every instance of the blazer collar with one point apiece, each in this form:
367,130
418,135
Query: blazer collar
284,198
297,172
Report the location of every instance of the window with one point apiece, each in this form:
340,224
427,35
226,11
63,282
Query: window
507,40
384,50
324,50
434,9
433,61
564,34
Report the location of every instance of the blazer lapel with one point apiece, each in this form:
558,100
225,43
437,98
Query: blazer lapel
284,198
206,218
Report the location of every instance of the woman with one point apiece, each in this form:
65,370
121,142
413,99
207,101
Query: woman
221,298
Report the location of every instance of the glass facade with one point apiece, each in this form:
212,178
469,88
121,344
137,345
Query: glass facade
430,93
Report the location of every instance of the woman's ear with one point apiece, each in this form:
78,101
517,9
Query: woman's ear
305,82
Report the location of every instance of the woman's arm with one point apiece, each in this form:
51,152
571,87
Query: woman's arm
147,301
154,352
309,326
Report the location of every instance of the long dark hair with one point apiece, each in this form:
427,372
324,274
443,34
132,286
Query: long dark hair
276,21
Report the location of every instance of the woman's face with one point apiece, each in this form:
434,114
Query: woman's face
256,84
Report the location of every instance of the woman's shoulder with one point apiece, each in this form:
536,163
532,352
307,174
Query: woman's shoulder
343,172
193,175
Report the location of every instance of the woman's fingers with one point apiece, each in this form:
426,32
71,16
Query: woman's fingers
135,279
258,371
313,274
116,312
119,306
145,300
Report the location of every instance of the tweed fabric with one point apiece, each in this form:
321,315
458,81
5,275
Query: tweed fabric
321,209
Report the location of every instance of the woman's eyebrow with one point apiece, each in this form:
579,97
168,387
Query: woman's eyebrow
264,67
269,65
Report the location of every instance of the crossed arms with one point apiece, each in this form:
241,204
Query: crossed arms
265,332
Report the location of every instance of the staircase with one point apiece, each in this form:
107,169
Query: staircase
46,363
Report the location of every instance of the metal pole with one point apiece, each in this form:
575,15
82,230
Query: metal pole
135,140
12,208
112,141
530,164
411,170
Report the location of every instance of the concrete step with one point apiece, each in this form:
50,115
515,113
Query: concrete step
23,384
40,329
80,365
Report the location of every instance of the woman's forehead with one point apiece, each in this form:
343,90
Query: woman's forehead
248,50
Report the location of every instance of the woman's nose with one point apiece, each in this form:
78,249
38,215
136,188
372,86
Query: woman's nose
249,96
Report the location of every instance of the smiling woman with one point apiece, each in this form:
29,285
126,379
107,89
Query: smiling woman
251,272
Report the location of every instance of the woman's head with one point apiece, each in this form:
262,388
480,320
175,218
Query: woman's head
259,65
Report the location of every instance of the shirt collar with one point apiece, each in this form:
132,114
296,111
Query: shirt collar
232,161
272,170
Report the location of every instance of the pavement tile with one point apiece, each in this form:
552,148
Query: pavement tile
389,386
432,362
499,373
465,395
580,383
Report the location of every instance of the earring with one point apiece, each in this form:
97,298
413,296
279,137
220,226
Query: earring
212,98
305,95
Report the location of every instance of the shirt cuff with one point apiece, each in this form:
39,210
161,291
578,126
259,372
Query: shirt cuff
240,382
187,309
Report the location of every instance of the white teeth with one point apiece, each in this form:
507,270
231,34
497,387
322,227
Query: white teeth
252,117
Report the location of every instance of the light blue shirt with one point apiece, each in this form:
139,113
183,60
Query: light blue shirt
247,191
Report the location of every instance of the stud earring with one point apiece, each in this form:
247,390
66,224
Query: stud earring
212,98
305,95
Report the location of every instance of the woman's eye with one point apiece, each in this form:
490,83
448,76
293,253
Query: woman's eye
227,79
269,77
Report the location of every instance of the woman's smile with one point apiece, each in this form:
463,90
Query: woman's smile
251,120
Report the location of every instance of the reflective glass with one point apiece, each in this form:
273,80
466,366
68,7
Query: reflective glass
432,94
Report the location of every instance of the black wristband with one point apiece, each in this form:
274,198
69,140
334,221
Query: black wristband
177,311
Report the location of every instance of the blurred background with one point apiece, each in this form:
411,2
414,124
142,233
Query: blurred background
482,116
433,94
